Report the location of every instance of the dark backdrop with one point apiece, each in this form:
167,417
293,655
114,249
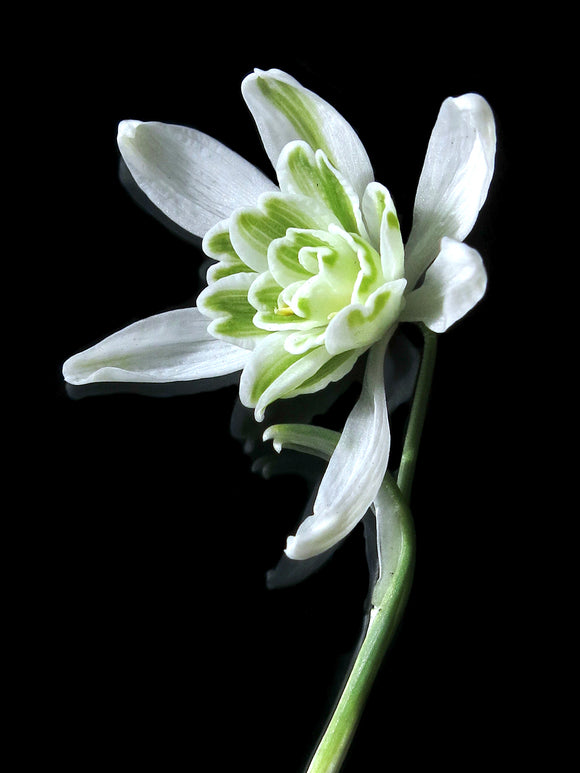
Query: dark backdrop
156,640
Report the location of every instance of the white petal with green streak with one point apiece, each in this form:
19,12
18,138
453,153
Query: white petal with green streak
308,172
252,229
285,111
360,325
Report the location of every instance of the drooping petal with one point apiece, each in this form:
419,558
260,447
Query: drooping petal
173,346
393,525
454,181
355,471
285,111
454,283
193,179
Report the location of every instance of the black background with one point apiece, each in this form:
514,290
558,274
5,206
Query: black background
155,641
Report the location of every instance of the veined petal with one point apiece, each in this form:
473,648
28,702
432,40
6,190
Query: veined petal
454,181
193,179
355,471
285,111
454,283
173,346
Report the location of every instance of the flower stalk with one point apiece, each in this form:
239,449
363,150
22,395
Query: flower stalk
384,619
388,608
417,416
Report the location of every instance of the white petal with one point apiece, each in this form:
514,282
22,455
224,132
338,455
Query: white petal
355,471
191,177
454,181
173,346
285,111
454,283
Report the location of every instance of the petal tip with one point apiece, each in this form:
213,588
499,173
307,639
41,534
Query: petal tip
127,129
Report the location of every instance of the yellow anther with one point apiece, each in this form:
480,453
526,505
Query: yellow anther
285,311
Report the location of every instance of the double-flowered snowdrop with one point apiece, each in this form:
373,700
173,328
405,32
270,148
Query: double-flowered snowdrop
310,272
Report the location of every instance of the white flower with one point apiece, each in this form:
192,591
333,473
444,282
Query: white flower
310,273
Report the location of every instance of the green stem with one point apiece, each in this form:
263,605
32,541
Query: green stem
386,614
417,416
385,617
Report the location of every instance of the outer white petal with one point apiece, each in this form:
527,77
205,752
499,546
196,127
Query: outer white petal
454,181
454,283
191,177
355,471
173,346
285,111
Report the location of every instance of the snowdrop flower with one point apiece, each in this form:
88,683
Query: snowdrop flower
310,273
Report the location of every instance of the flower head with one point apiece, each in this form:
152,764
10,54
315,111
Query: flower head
310,272
308,279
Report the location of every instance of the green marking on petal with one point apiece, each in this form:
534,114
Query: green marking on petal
376,199
393,220
301,342
302,170
360,325
218,246
226,268
264,291
297,107
332,370
370,276
284,257
392,249
252,230
226,303
342,201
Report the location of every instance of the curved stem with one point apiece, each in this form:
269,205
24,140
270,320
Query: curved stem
417,416
384,619
387,611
